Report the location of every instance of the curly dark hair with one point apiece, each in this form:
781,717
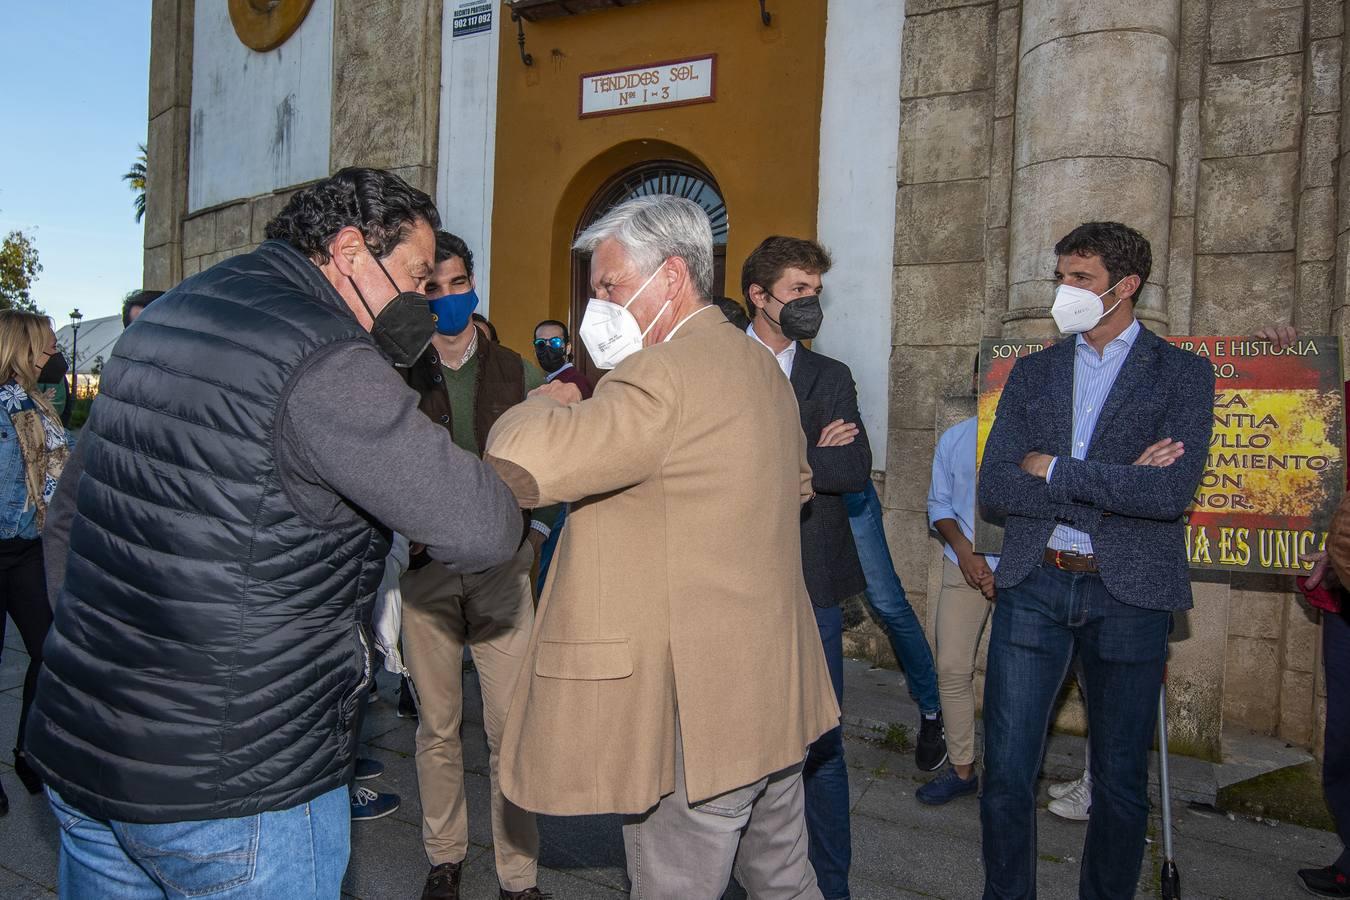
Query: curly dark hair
1123,250
135,299
774,256
382,205
448,245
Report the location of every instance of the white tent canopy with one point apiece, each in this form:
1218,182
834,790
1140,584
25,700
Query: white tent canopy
96,340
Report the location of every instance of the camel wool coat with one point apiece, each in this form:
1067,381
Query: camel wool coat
677,584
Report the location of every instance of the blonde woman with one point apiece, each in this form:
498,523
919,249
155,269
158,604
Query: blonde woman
33,448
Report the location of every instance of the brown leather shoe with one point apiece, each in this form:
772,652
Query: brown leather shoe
442,882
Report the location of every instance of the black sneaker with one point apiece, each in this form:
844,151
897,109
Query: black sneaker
407,706
442,882
1326,882
931,751
528,894
367,768
4,802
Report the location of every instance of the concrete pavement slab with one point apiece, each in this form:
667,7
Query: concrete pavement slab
13,640
588,847
28,835
13,664
387,860
10,703
902,849
15,887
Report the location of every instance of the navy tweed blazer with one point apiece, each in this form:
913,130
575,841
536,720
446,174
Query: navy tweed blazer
1134,514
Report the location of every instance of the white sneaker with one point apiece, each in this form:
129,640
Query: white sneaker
1076,803
1064,788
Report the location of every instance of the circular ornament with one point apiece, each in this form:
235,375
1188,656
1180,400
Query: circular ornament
264,25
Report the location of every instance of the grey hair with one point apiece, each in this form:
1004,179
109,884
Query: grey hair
652,230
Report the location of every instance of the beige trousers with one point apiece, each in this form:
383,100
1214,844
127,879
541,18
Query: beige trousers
492,612
758,832
962,613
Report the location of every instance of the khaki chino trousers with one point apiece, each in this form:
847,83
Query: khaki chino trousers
492,613
962,613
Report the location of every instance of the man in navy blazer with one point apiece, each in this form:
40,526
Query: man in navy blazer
1096,452
781,279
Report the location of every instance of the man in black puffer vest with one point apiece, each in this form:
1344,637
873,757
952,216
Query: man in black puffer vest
215,545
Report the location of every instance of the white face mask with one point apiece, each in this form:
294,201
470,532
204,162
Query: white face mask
1077,310
610,332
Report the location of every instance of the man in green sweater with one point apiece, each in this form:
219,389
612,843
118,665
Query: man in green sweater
465,384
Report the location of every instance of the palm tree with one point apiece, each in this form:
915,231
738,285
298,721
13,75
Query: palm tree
135,176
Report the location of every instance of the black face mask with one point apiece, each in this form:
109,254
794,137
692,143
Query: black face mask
54,369
403,329
550,360
800,318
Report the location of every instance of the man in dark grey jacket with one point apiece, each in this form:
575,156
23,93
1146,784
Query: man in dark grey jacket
1095,454
215,544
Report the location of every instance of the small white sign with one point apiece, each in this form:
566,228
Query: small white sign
649,87
471,17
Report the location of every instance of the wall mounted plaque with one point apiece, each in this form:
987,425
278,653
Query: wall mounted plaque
264,25
654,86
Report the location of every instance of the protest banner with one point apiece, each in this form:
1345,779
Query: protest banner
1276,461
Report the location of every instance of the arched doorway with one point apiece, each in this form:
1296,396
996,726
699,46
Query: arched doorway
661,176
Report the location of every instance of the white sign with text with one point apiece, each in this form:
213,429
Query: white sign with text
649,87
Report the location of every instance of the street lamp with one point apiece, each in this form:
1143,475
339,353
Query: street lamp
75,320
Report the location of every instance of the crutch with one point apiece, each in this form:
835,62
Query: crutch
1171,879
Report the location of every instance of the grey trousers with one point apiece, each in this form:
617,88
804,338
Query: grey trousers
758,832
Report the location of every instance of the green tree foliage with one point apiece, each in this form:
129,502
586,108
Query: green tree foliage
19,266
135,178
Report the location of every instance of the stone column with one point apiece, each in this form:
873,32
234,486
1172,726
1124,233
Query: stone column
386,87
167,141
1259,163
1341,295
947,94
1096,112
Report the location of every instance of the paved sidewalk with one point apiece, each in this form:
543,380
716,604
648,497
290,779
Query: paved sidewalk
901,849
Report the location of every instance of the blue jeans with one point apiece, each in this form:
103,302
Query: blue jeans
825,777
1038,626
887,597
1336,759
547,548
298,853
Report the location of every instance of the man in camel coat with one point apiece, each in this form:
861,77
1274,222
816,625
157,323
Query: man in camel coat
675,674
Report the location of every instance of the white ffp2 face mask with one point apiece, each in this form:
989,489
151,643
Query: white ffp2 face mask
610,332
1077,310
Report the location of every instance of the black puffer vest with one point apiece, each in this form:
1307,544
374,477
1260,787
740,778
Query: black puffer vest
207,653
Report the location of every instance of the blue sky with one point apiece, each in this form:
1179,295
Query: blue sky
74,109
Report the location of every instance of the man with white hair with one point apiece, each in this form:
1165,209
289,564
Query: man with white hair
675,674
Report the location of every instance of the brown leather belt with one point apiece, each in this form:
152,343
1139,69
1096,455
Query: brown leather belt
1070,562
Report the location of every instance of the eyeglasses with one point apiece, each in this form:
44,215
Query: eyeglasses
556,343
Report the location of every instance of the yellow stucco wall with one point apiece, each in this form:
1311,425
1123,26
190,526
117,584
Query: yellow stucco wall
759,139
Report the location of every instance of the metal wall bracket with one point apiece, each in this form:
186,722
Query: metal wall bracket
525,57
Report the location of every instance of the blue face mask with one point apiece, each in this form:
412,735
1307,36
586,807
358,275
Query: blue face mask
452,311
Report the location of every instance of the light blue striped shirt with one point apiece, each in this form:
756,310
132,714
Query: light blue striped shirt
951,493
1093,377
